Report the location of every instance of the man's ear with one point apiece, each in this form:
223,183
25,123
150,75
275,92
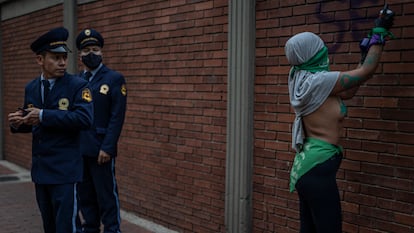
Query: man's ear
40,58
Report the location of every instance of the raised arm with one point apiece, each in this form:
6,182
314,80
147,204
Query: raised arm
354,78
371,50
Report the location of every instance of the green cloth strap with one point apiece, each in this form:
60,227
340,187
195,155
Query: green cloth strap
319,62
314,152
382,32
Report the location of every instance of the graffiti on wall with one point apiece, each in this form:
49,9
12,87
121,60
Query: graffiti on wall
344,25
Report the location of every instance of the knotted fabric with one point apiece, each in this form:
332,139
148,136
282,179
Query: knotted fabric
310,82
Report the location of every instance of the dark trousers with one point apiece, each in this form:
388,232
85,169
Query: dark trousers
58,207
320,206
98,197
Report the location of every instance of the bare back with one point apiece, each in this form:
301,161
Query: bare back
327,121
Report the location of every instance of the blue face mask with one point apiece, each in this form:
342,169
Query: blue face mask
92,61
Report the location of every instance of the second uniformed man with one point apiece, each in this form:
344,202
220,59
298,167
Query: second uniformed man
98,193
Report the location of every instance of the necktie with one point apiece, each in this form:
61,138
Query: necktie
46,86
87,75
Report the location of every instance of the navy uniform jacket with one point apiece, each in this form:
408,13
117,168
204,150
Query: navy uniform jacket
109,100
68,109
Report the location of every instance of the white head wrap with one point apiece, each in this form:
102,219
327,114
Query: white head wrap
302,47
307,91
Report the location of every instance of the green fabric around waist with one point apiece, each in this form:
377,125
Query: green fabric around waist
314,152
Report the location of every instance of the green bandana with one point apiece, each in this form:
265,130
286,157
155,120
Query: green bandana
319,62
315,151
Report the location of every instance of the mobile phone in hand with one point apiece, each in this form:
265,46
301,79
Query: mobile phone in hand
25,112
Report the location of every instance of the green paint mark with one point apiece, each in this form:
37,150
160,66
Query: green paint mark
348,81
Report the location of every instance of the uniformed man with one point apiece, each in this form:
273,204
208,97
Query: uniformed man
57,106
98,193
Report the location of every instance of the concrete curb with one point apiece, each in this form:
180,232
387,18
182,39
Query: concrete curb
144,223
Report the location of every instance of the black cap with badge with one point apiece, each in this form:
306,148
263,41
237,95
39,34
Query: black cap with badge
53,41
89,37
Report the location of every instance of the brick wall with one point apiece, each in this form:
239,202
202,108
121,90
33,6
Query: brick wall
19,67
376,176
172,151
171,164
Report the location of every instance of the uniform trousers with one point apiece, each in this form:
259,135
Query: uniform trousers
98,197
320,206
58,206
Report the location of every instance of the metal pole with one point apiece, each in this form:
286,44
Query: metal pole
70,23
1,91
239,153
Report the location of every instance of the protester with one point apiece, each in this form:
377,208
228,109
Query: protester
316,95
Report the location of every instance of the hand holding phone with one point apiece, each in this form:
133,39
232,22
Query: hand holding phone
24,111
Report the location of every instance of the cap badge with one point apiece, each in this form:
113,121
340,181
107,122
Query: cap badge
87,32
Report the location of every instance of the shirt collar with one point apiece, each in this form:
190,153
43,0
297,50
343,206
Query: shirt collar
94,71
51,80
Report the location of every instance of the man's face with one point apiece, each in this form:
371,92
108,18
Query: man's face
91,49
53,64
87,50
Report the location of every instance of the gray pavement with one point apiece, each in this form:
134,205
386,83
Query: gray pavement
19,212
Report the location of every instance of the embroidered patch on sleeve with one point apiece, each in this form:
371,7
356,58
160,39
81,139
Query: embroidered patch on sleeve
86,95
123,90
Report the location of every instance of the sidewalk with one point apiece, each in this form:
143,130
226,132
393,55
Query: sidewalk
18,207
